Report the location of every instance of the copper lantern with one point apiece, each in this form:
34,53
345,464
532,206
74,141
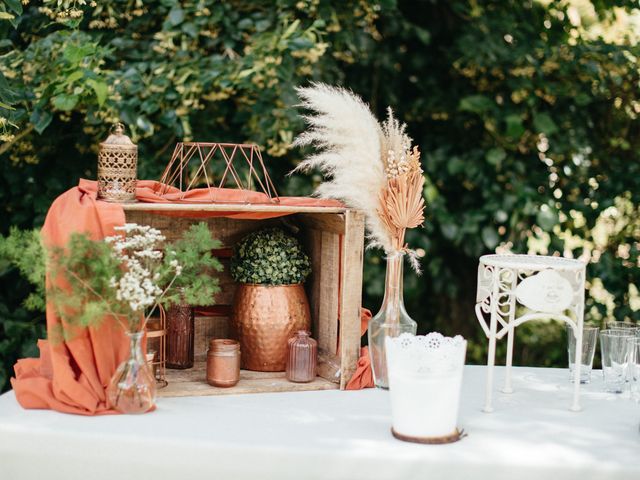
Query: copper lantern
117,167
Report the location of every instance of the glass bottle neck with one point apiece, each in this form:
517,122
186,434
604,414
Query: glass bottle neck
135,344
394,280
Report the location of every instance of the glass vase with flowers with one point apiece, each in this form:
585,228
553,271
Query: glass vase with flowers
126,277
371,166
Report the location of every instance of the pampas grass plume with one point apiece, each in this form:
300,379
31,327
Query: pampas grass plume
347,138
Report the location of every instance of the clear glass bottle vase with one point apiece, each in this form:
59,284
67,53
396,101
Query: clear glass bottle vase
390,321
133,387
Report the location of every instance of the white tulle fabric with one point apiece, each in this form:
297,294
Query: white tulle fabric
426,354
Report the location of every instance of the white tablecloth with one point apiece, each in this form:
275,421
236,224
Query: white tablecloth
333,435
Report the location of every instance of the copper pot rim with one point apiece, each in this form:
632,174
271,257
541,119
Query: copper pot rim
265,285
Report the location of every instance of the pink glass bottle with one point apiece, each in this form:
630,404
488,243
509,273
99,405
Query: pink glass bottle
302,357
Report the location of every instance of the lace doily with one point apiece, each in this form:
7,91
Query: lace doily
426,354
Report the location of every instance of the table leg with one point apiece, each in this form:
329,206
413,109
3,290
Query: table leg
575,407
491,355
507,378
491,360
511,333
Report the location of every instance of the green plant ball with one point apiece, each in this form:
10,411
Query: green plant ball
270,257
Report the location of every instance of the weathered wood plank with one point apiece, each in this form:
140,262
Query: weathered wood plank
206,328
191,382
226,207
228,230
326,222
329,293
351,294
313,246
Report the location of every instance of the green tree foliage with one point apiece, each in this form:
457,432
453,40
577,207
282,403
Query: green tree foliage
531,138
526,113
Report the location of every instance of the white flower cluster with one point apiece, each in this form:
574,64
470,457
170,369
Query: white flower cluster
136,238
395,168
176,266
136,288
138,248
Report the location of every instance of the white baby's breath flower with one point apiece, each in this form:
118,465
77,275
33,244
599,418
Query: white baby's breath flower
139,250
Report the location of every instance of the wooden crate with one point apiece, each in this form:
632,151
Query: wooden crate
333,239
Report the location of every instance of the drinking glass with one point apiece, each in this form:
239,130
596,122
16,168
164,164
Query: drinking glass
624,326
615,349
634,368
589,340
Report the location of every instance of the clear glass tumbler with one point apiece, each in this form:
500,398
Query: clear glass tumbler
634,368
589,340
624,326
615,348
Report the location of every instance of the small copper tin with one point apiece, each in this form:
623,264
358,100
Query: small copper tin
223,363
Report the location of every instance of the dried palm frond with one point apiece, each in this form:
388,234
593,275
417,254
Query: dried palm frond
401,202
402,206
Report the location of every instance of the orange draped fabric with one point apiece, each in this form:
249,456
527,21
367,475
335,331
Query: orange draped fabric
71,375
363,376
148,191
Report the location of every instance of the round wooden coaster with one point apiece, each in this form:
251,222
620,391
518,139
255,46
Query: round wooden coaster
454,437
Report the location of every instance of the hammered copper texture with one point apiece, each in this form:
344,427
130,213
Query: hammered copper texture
264,317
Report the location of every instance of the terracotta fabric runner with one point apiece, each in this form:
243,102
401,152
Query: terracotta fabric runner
71,375
148,191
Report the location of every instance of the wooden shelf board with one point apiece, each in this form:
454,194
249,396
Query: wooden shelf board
191,383
227,207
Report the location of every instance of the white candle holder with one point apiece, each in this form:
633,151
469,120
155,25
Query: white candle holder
425,377
513,289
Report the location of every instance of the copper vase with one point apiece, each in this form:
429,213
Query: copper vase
264,317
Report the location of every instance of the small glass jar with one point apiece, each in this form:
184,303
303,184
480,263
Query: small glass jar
223,363
302,358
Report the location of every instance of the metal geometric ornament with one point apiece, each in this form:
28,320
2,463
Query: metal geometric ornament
214,165
514,289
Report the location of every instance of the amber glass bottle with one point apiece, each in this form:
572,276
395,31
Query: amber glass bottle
180,330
